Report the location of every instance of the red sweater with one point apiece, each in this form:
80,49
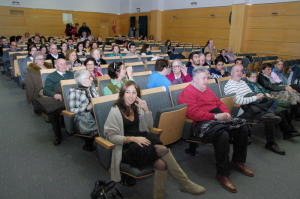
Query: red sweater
185,79
200,103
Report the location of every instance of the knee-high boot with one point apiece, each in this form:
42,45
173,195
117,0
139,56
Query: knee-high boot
186,185
160,178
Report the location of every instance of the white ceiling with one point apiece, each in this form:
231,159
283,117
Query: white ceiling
127,6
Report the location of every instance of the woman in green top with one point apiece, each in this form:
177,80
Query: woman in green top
257,88
119,74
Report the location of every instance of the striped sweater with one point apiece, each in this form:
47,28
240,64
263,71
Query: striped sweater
240,89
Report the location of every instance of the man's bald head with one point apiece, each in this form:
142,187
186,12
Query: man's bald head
237,72
61,65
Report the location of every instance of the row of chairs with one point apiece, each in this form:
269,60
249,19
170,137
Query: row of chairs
169,120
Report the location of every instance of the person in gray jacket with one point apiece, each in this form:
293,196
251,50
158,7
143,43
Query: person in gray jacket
127,126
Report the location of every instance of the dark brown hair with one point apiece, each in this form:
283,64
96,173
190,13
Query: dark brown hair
125,110
113,68
160,64
266,65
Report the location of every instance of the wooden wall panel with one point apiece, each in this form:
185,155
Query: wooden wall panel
197,25
269,33
49,22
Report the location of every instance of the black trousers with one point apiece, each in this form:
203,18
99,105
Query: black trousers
55,120
221,143
285,126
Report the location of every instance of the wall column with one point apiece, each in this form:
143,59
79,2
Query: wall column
238,27
156,24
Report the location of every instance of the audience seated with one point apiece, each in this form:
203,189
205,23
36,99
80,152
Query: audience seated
210,47
115,51
44,50
94,45
71,57
86,45
158,78
230,55
281,107
223,57
179,73
54,55
91,66
127,126
70,44
54,104
96,54
13,47
279,76
215,125
64,48
257,106
119,74
277,89
132,50
219,71
195,59
80,49
208,59
146,50
80,104
33,79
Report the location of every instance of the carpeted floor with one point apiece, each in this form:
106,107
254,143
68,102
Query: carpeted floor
32,168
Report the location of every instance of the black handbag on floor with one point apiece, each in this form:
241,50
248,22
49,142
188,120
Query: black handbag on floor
103,190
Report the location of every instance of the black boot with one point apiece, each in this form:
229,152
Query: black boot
294,114
89,144
192,150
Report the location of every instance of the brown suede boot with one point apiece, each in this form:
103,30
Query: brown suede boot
160,178
186,185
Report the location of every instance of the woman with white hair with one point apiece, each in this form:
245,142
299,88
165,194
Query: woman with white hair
179,73
80,104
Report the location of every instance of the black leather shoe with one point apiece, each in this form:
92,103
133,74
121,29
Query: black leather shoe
271,117
275,148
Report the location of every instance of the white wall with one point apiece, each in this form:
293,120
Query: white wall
129,6
106,6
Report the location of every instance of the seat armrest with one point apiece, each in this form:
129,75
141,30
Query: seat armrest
156,130
105,143
68,113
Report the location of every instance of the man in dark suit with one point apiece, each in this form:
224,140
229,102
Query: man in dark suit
54,55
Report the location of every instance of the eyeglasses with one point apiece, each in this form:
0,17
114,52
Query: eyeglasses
176,66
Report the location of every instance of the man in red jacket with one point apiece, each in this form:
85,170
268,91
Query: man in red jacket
203,107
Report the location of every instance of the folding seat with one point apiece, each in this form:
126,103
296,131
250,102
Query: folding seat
130,59
141,78
45,73
101,107
136,66
170,119
222,82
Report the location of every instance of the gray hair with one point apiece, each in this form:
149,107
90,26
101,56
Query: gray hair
178,61
80,75
36,54
198,70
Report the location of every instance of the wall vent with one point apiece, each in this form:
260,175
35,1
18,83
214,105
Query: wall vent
16,12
